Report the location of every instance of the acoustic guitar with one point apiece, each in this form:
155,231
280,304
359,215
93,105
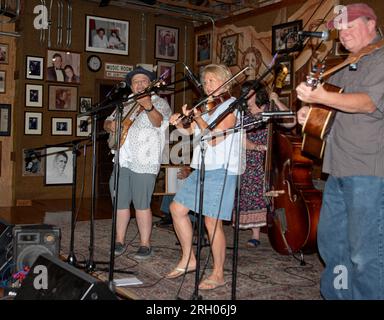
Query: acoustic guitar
126,123
320,118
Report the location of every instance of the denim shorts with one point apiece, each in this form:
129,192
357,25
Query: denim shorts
134,187
219,193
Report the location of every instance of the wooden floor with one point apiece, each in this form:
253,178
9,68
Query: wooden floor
36,212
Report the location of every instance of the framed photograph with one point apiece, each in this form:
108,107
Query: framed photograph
58,166
85,104
83,126
166,43
5,119
289,79
106,35
33,164
2,81
284,37
62,98
203,48
33,123
63,66
34,95
229,49
34,68
167,70
170,97
3,53
61,126
340,50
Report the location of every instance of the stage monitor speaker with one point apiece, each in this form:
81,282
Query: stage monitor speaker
6,253
62,282
29,241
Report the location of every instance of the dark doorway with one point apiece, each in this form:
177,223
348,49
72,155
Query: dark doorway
104,155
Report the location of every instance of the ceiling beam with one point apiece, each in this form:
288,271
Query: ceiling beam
193,7
255,12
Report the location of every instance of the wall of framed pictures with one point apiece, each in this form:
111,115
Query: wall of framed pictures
58,83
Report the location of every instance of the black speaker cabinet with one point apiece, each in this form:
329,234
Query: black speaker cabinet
62,282
29,241
6,252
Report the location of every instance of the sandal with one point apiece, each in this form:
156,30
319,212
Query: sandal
253,243
210,284
178,272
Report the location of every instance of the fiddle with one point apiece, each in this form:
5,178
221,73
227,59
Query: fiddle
212,103
210,98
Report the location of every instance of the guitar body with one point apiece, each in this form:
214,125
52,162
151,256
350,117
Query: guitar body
125,125
112,139
320,118
317,126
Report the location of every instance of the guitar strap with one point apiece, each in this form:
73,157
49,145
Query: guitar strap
355,57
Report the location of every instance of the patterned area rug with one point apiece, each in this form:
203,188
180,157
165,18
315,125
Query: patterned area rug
262,274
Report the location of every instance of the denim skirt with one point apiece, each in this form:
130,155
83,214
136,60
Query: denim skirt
218,196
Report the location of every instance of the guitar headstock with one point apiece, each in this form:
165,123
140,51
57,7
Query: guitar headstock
281,73
316,75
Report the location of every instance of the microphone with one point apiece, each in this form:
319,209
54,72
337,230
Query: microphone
323,35
117,88
193,79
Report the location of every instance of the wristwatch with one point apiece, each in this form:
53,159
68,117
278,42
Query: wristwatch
150,109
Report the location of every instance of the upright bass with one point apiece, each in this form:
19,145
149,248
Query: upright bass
287,215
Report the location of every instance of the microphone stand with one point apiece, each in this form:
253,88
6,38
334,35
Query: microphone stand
241,101
71,259
90,265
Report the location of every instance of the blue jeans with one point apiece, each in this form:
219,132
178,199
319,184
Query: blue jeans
351,238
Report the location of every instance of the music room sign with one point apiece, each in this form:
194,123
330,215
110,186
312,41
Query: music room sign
116,71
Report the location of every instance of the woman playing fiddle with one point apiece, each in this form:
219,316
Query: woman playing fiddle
221,169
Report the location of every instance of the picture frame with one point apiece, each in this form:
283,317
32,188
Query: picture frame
62,98
203,48
63,66
166,43
4,54
61,126
33,123
284,39
168,68
33,162
289,79
34,95
34,68
83,126
2,81
170,97
58,166
107,35
5,119
229,50
85,104
339,49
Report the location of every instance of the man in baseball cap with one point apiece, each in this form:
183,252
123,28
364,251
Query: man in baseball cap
353,160
350,13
